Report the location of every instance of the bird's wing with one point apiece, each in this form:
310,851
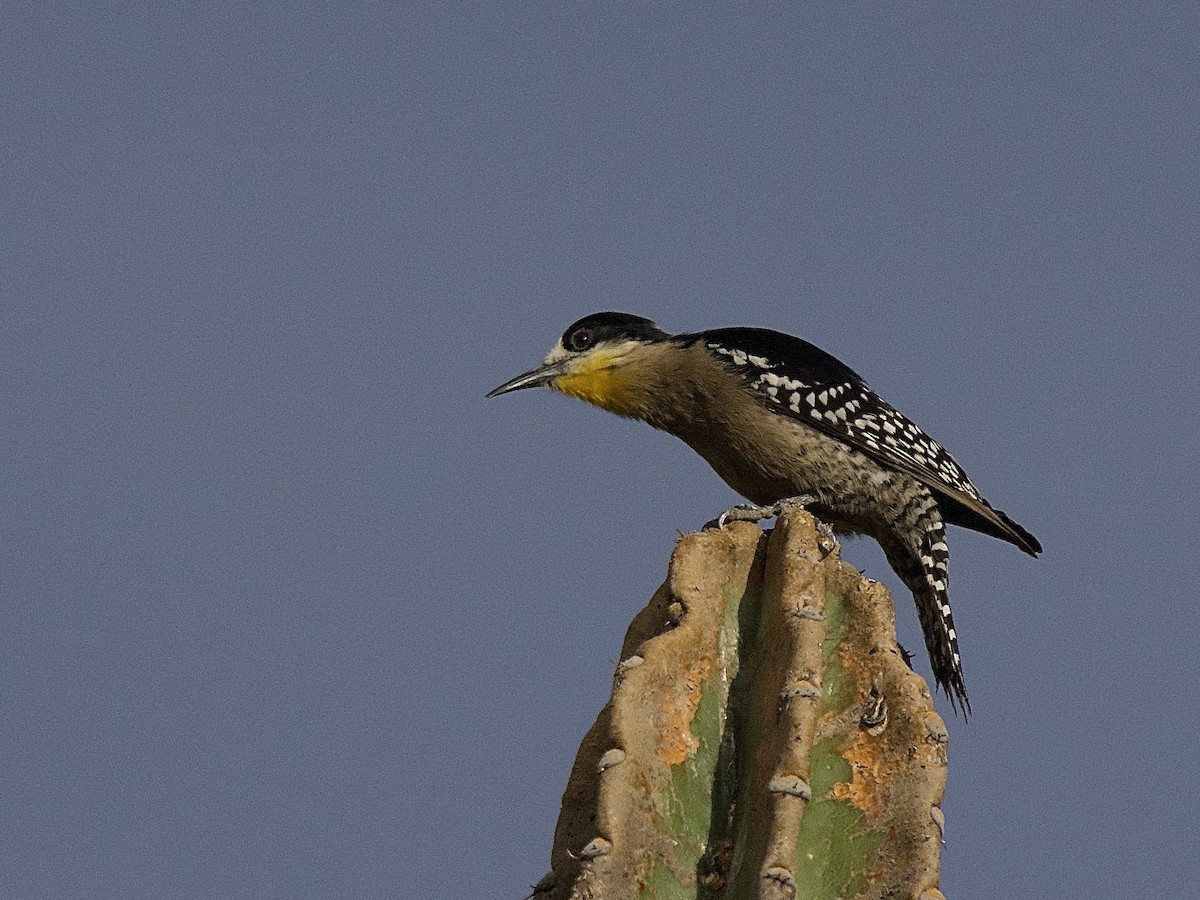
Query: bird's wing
794,378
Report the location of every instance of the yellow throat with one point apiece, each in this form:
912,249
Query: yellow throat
599,379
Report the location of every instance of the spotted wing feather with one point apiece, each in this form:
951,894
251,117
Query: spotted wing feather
795,378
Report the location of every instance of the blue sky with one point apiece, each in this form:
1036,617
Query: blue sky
290,610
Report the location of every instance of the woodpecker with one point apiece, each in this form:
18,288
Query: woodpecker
778,418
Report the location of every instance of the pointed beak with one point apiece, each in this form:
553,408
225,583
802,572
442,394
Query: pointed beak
542,375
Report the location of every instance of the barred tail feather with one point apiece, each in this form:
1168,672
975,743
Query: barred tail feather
922,563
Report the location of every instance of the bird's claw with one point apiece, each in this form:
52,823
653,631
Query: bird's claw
745,512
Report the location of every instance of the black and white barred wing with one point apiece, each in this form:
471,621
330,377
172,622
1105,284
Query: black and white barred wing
797,379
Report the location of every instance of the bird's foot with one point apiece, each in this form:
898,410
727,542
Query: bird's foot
748,513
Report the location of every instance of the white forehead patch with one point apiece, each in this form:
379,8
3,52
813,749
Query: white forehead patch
557,353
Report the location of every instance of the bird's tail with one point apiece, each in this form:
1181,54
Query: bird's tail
919,555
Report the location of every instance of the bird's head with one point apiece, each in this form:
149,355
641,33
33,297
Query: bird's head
596,360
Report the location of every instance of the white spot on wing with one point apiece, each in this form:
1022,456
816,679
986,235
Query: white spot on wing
860,416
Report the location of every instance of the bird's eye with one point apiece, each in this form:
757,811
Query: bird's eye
581,339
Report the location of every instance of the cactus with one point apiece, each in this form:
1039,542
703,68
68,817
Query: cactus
764,737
